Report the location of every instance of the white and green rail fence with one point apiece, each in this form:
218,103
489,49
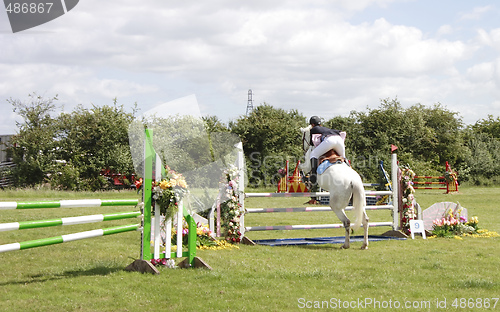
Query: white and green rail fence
149,232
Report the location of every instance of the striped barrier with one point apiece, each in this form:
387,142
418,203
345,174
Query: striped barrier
68,238
393,208
68,221
417,183
312,194
79,203
308,227
22,225
309,209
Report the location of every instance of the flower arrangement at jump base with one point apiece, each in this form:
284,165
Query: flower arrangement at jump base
204,238
409,212
456,225
231,208
203,235
169,263
168,192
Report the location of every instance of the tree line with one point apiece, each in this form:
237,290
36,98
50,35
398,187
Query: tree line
69,150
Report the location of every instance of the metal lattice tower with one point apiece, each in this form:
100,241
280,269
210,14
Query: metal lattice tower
250,102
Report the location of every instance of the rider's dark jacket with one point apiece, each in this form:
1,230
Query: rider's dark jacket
324,131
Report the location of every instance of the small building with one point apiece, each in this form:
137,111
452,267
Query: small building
4,142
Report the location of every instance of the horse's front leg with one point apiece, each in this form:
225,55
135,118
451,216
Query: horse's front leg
347,226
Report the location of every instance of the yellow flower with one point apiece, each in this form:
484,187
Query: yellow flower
458,237
164,184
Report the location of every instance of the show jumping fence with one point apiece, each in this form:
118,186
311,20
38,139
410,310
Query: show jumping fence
393,207
145,227
447,182
22,225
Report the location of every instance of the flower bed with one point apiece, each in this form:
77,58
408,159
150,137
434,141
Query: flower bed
455,225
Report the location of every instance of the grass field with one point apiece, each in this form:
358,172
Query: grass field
88,275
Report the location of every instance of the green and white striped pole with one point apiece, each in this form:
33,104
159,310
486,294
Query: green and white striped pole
149,154
68,238
79,203
67,221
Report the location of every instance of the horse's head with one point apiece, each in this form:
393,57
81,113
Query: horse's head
306,138
307,147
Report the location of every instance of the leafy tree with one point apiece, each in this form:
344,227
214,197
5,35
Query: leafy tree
214,124
426,137
70,150
270,136
446,127
33,148
90,140
490,126
481,164
481,150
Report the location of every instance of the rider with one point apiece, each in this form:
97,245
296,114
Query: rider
330,139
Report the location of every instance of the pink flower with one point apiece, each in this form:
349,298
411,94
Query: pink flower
438,222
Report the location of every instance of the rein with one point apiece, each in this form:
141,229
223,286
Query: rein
304,140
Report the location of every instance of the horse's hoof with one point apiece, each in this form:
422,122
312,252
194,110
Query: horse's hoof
364,247
344,247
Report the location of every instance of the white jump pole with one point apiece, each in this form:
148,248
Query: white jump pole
157,212
395,190
179,229
241,185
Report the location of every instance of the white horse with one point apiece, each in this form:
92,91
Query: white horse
342,182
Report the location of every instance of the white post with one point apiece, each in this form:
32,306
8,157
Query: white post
157,237
211,221
241,185
395,192
179,229
168,238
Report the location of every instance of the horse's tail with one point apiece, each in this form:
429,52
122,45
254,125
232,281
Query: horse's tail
358,202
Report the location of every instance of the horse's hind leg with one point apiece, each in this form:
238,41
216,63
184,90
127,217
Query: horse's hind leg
365,228
347,226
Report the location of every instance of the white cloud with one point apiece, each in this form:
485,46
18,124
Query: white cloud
444,30
481,72
293,54
476,13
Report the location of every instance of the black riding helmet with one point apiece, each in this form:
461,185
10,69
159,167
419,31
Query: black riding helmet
315,120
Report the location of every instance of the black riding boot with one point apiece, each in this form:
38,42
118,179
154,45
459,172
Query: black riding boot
314,168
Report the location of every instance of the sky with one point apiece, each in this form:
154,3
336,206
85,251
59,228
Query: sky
320,57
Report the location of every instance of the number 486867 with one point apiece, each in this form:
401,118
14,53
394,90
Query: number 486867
471,303
27,8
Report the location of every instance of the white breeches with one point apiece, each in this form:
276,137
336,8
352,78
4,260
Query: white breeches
334,142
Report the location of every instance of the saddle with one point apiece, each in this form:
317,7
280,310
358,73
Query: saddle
332,157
